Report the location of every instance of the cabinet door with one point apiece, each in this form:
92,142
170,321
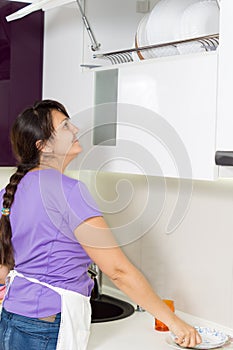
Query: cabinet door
224,134
21,47
172,113
156,117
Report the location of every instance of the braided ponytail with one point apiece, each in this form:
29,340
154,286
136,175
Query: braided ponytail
32,125
6,248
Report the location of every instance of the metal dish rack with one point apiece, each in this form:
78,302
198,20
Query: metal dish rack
208,43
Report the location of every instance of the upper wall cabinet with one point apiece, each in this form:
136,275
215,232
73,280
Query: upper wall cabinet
156,117
21,59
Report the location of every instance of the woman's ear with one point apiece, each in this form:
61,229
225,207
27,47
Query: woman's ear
43,146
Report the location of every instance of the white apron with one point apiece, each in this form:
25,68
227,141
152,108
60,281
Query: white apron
75,315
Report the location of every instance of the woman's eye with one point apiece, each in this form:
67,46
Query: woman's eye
66,125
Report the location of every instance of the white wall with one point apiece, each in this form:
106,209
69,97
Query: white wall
194,264
5,174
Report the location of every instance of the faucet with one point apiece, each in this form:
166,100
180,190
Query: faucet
96,276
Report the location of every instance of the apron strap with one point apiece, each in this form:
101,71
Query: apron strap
13,273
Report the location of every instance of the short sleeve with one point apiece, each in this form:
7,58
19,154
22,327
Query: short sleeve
80,206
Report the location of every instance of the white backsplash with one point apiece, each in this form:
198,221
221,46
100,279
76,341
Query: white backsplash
5,173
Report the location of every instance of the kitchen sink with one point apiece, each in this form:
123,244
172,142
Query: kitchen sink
106,308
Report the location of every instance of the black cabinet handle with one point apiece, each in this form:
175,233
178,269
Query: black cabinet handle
224,158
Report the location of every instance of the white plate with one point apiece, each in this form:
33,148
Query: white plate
174,20
164,21
142,40
211,339
199,19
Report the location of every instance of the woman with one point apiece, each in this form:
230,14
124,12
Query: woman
50,231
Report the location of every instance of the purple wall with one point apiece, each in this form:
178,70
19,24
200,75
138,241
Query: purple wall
21,64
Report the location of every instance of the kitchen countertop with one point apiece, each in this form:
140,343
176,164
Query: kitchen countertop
133,332
137,331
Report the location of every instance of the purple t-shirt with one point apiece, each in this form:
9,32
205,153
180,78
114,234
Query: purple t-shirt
48,206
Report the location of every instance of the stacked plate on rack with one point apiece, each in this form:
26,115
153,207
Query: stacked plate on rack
175,20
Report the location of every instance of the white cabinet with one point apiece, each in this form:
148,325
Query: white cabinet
181,92
161,115
225,80
224,135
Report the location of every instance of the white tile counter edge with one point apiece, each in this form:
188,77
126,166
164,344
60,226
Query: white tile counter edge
137,331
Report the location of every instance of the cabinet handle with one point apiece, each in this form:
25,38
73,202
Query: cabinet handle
224,158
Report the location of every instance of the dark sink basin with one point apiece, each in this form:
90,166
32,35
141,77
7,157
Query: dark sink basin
107,308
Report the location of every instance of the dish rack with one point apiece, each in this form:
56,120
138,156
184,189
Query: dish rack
206,43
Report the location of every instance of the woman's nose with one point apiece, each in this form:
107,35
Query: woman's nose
74,128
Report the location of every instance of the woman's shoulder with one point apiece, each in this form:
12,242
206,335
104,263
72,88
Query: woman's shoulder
75,187
72,182
55,181
54,186
51,177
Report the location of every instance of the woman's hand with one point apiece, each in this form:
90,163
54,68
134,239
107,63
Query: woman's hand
186,335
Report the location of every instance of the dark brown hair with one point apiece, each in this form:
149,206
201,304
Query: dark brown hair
32,125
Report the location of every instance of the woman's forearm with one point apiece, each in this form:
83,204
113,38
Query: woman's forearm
135,285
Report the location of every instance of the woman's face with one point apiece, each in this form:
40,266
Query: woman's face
64,143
